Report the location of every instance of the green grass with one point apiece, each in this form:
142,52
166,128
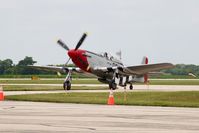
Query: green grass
29,76
172,99
91,81
174,82
164,76
48,82
47,88
44,76
169,76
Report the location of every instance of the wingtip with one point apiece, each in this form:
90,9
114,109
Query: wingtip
57,40
171,65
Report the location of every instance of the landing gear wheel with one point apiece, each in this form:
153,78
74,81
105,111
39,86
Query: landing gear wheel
131,87
112,85
67,85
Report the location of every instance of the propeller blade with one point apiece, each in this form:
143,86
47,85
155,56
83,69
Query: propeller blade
81,41
64,68
63,45
67,62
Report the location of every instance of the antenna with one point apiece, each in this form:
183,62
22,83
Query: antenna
119,54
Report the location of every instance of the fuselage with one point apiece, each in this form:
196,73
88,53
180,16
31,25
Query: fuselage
87,61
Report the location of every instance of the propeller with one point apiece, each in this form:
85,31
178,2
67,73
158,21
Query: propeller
63,45
80,41
67,62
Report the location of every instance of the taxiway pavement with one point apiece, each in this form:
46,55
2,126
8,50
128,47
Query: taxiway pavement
58,117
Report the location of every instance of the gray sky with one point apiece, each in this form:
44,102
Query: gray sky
163,30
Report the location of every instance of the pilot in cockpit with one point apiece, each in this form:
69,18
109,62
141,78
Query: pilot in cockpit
106,55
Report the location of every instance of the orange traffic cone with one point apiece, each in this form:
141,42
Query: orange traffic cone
111,99
1,94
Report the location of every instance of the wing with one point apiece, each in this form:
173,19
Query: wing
54,68
144,69
138,70
62,69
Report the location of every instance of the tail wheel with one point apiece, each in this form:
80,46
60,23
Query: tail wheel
67,85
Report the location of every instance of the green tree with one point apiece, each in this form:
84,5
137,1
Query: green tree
26,61
5,65
182,69
22,66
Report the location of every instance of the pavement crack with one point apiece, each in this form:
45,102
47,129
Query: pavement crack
9,108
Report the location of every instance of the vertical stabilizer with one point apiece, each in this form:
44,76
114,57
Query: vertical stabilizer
145,60
140,78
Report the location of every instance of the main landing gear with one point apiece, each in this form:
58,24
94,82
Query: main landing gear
67,85
112,85
67,81
131,86
122,81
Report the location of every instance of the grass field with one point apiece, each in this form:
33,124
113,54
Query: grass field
174,82
48,81
169,76
94,81
165,76
172,99
43,76
47,88
76,81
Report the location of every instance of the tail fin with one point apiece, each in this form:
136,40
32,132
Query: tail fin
145,60
141,78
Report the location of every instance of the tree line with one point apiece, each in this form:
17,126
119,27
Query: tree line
7,67
182,69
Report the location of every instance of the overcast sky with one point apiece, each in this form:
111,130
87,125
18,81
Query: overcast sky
163,30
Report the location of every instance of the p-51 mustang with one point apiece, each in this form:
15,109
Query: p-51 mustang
106,68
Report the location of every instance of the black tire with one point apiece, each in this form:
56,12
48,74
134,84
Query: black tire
67,85
64,85
131,87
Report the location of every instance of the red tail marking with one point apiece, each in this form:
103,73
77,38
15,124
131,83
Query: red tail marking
146,77
146,60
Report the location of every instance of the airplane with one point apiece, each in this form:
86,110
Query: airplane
106,68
